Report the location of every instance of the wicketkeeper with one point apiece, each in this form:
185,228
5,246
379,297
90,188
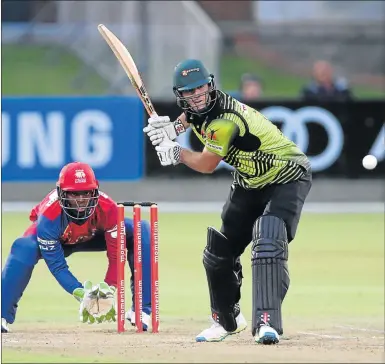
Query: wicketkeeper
271,181
76,217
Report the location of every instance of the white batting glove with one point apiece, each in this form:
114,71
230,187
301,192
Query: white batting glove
160,128
169,153
159,121
158,135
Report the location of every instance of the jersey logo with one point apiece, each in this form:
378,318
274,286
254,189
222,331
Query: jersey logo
113,232
101,193
216,147
46,244
69,238
243,106
210,135
80,176
52,198
186,72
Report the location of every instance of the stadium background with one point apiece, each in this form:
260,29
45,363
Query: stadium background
66,97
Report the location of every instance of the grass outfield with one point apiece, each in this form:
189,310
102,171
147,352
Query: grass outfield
27,71
337,279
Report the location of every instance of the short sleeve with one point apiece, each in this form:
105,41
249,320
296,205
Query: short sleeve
219,136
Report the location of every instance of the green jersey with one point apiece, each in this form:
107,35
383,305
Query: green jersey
254,146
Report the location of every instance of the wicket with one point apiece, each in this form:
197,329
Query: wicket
154,256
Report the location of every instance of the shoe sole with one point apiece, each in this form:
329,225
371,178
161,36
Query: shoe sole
201,339
267,339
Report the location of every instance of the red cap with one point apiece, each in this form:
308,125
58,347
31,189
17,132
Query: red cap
77,176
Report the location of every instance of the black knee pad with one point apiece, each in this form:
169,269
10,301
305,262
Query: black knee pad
271,280
270,238
224,277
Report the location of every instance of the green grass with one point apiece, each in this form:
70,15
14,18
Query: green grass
336,265
341,254
30,70
277,82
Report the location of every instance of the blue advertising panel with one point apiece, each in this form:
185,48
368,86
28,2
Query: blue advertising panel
40,135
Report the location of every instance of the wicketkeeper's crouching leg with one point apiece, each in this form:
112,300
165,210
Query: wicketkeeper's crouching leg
15,276
17,272
146,271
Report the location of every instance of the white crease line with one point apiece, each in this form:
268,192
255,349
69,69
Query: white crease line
358,329
325,336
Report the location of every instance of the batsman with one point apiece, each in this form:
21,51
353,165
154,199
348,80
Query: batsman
75,217
272,179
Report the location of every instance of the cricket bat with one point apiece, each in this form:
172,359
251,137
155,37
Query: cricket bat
129,66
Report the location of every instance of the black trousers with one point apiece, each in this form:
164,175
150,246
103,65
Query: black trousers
243,207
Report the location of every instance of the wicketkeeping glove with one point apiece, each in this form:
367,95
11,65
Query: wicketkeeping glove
88,298
106,303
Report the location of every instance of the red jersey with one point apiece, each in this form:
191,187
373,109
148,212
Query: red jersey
54,229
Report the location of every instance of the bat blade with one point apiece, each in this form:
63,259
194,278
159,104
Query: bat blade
129,66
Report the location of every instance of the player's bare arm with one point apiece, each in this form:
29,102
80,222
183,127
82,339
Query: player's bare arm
203,162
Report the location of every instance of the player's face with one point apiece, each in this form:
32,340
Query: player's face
198,97
79,199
